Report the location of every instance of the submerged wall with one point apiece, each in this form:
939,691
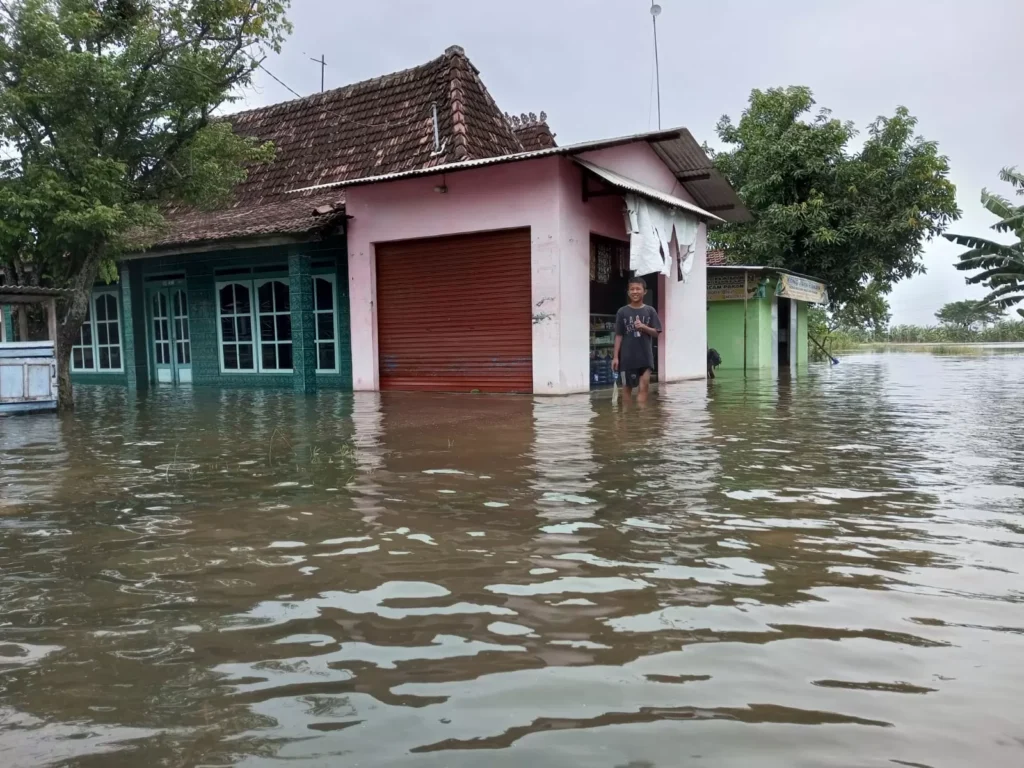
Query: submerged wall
295,264
725,332
546,196
802,356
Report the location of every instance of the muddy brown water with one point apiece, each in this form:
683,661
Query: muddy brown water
824,571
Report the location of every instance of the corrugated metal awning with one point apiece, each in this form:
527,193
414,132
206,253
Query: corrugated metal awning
626,184
675,147
25,294
698,175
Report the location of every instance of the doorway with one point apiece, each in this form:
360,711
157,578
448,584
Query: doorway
784,335
609,279
170,341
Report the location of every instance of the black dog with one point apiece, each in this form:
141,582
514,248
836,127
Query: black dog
714,360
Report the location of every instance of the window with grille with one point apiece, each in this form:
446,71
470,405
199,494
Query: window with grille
98,346
324,302
255,336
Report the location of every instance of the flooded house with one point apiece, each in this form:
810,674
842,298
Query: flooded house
757,316
411,235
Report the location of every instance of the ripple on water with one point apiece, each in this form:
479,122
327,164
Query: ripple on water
747,571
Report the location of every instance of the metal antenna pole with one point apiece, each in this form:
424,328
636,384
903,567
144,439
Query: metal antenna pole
322,61
655,12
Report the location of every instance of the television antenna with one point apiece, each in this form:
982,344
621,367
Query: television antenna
655,13
322,61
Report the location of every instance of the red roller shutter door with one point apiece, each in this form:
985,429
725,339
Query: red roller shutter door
454,313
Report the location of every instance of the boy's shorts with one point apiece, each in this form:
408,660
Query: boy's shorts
631,378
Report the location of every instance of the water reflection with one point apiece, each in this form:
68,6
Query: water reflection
817,570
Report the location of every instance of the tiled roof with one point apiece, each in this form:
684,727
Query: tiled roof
533,132
378,126
717,259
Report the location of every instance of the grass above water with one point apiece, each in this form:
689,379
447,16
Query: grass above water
842,345
935,349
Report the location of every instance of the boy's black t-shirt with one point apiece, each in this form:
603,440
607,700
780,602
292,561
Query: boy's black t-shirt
637,350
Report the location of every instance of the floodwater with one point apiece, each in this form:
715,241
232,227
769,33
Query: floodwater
825,571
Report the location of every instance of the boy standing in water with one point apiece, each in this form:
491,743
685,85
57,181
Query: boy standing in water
636,327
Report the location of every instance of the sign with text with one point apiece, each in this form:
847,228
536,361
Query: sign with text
728,287
801,289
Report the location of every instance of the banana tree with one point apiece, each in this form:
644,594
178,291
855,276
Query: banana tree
1001,265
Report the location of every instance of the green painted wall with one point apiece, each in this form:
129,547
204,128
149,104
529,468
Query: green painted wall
801,333
8,323
201,276
725,332
764,330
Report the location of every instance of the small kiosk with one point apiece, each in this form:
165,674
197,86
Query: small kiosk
757,316
28,369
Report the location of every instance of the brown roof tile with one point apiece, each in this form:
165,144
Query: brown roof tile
717,259
533,132
374,127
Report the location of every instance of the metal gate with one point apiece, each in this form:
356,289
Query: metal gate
455,313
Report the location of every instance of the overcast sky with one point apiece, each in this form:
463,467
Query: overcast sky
589,64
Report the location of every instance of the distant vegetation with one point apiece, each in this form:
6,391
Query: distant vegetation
950,333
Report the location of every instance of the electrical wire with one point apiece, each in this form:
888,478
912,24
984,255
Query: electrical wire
344,118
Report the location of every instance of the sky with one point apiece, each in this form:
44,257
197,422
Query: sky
589,64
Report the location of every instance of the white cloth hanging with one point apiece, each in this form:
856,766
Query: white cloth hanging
645,250
657,233
686,238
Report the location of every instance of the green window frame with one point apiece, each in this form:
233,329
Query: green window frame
98,346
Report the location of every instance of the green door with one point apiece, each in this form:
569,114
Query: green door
170,341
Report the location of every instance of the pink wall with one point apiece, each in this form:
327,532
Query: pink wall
546,196
682,349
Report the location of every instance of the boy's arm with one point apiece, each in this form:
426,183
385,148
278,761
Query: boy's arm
654,329
620,331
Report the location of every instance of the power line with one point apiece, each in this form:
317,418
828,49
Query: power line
344,118
279,80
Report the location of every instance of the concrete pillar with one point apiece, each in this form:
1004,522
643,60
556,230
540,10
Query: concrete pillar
300,284
682,348
133,327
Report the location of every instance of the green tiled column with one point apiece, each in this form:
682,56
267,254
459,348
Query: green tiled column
133,343
202,318
300,283
9,323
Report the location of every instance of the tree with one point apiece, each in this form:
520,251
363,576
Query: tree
107,114
868,312
856,219
1002,266
968,315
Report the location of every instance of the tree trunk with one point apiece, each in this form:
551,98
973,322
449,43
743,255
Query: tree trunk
65,394
76,308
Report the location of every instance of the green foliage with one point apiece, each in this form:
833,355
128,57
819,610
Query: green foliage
1002,331
968,314
107,115
1001,265
106,112
868,310
857,220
